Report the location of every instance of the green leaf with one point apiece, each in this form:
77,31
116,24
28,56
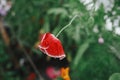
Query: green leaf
80,53
57,11
91,21
115,76
46,25
77,34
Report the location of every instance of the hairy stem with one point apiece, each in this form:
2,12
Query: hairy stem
66,25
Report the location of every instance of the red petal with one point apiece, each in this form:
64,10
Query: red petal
51,46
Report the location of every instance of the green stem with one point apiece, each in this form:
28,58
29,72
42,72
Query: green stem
66,25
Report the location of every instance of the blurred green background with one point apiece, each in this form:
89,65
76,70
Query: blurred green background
91,42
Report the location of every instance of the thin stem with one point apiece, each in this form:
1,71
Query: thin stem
4,33
66,25
33,65
31,62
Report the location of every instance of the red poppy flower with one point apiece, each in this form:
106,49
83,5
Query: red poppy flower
51,46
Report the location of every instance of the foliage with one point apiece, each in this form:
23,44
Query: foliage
87,58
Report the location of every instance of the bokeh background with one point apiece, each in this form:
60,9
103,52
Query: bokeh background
91,42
